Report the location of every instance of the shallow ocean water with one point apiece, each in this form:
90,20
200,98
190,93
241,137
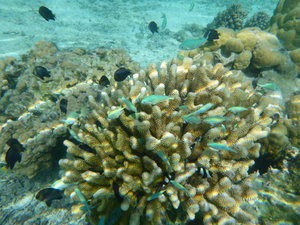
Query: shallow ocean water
111,24
107,24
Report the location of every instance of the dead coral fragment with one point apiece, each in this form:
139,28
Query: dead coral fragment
153,162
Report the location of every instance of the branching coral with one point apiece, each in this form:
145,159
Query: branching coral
30,107
259,19
233,18
168,146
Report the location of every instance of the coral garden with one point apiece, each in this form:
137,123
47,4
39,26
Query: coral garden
174,143
30,106
171,143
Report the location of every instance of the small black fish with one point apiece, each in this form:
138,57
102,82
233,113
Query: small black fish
192,146
99,124
275,119
211,35
63,105
41,72
13,154
121,74
153,27
104,81
254,83
48,195
46,13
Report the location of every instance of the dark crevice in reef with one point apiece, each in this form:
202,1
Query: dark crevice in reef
263,163
59,152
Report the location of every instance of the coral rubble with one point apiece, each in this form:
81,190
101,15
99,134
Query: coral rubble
169,145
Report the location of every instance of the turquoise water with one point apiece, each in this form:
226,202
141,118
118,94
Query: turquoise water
111,24
56,77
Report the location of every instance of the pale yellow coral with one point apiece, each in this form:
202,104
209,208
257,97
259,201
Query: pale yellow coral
155,161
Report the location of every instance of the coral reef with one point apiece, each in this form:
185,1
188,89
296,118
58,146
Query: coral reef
169,145
285,23
30,107
250,48
259,19
233,18
293,124
295,56
278,192
294,109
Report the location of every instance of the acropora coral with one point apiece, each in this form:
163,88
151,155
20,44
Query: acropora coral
169,145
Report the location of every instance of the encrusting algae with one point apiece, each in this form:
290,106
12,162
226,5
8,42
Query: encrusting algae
169,145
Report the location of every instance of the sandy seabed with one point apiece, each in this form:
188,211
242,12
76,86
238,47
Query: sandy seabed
109,23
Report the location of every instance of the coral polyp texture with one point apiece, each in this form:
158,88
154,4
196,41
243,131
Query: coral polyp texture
233,18
248,49
30,107
169,145
259,19
285,23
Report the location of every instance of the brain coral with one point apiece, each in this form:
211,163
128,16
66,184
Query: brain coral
167,146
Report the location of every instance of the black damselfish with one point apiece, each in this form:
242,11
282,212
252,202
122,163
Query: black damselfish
46,13
211,35
13,154
48,195
41,72
63,105
121,74
104,81
153,27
